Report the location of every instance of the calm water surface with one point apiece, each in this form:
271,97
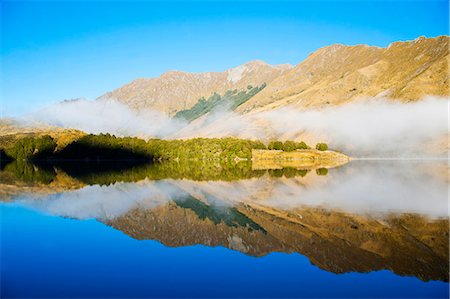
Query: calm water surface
367,229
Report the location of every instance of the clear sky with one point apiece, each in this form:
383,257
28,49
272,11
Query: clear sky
53,50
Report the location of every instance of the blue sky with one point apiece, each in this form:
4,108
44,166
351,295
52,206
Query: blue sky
53,50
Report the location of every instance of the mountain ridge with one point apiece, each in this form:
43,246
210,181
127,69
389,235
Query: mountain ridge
335,74
175,90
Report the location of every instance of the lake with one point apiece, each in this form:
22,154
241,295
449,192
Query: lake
370,228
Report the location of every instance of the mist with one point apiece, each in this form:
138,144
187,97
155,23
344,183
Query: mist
106,116
103,202
376,189
368,127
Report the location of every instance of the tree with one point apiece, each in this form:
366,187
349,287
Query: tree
275,145
321,171
321,146
31,148
289,146
301,145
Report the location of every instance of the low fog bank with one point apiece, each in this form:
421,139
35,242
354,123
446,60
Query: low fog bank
370,127
376,189
106,116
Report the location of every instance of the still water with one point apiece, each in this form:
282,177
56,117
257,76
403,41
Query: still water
366,229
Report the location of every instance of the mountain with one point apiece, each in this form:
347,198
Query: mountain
330,77
337,74
334,241
185,212
284,211
174,91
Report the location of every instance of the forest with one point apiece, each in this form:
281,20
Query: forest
229,101
109,147
34,159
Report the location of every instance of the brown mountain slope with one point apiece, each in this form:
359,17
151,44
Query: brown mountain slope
337,74
332,75
334,241
175,90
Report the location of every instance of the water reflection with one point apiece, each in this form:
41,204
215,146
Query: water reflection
106,172
362,217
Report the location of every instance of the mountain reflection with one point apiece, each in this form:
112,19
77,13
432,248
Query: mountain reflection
362,217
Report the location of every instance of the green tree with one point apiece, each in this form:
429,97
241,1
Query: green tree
289,146
31,148
231,99
301,145
321,171
321,146
275,145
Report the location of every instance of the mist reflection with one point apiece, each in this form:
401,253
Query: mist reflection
364,216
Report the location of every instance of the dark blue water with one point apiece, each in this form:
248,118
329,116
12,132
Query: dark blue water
49,256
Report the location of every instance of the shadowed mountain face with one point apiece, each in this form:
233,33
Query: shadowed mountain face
401,226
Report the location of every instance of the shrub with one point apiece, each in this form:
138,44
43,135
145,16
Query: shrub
321,171
275,145
301,145
289,146
321,146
